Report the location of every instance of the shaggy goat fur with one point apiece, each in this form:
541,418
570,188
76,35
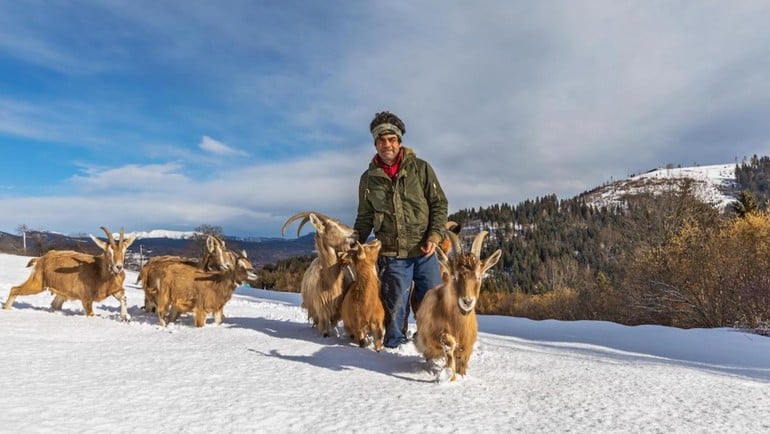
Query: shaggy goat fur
323,281
446,321
73,275
184,289
362,311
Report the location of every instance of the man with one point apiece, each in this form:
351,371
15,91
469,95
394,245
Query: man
400,198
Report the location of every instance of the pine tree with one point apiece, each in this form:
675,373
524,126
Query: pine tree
746,204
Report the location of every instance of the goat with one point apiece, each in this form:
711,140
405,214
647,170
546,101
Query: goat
216,257
73,275
446,246
184,289
446,321
322,283
362,311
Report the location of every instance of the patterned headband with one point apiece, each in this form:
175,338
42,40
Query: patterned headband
385,128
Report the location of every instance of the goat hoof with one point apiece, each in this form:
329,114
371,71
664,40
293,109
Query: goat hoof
445,375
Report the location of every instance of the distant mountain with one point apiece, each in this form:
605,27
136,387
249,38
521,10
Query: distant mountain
161,233
715,185
260,251
186,235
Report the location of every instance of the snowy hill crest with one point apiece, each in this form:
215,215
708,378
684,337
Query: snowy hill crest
713,184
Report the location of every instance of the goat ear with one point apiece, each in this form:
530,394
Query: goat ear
243,253
102,245
129,241
317,223
491,261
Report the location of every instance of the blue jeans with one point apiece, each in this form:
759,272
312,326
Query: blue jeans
396,277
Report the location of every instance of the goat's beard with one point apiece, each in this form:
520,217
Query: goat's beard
465,309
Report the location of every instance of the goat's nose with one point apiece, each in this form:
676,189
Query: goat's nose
119,267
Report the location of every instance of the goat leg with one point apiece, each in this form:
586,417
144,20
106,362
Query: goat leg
32,285
57,302
200,317
449,344
88,306
378,333
462,360
219,316
121,296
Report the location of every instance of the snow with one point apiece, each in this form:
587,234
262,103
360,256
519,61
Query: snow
711,184
160,233
266,370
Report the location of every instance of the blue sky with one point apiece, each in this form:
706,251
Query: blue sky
172,114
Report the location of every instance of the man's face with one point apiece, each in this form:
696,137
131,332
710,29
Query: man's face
388,147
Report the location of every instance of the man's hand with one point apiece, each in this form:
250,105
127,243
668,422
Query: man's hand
428,248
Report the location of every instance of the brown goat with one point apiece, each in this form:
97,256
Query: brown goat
73,275
184,289
446,246
446,321
216,257
362,311
323,281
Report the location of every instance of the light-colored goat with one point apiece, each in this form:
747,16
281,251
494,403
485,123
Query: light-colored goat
186,289
73,275
216,257
362,311
446,321
322,283
446,246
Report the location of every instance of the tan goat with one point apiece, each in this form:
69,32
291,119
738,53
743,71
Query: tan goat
322,283
446,246
73,275
362,311
186,289
446,321
216,257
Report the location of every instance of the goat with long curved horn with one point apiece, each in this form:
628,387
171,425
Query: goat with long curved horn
322,283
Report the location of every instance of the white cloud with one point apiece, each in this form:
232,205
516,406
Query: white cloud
216,147
151,177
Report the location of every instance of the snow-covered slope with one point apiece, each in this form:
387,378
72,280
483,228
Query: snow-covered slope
161,233
713,184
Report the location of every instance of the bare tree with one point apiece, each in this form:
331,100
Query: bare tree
22,229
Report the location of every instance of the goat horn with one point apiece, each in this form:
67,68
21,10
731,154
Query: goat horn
291,219
109,236
121,235
305,215
456,244
451,226
476,248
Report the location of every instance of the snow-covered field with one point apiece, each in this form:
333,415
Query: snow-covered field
266,370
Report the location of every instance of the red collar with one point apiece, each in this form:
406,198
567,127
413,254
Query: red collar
391,170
